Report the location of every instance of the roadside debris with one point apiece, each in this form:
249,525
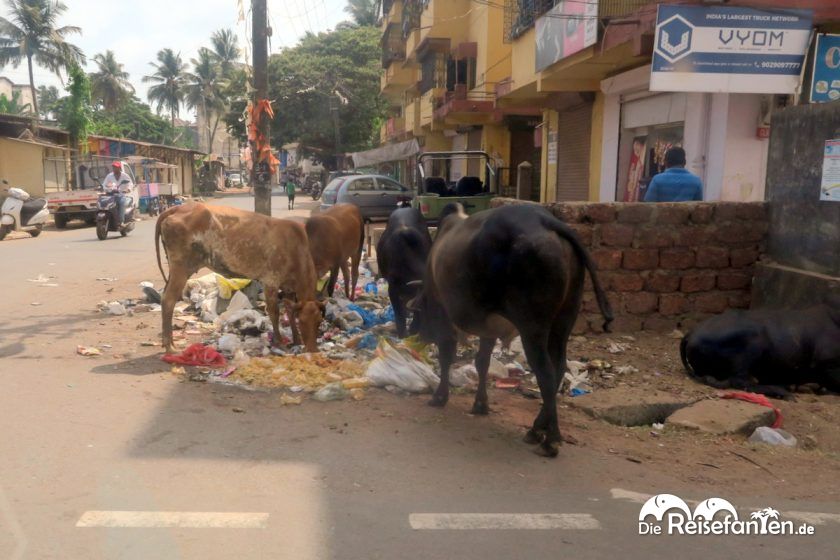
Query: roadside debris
88,351
197,355
116,308
331,392
772,436
399,366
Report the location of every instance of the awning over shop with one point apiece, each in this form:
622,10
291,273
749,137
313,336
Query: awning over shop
389,152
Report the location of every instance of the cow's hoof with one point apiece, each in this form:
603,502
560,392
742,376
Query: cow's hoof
532,437
438,401
482,409
547,449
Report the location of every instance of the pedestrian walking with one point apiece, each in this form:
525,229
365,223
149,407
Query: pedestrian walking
676,183
290,192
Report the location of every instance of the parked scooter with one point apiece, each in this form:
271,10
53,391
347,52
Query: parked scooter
21,212
108,216
316,190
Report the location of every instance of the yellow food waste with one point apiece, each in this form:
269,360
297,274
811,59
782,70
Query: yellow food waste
310,372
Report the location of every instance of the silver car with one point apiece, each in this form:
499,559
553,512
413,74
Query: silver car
375,195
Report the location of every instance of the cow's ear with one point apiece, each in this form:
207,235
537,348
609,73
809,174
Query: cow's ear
414,303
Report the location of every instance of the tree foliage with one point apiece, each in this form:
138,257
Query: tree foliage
337,70
363,12
134,120
47,100
31,34
109,84
77,113
169,83
14,106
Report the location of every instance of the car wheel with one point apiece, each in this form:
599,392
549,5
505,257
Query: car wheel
60,221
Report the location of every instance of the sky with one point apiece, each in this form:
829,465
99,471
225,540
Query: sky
137,29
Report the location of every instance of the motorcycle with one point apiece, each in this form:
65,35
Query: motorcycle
316,191
22,213
108,215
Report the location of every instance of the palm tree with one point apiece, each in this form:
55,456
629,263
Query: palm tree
47,99
225,50
31,33
110,82
204,91
169,89
363,12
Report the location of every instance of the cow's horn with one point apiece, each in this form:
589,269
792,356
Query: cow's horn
414,283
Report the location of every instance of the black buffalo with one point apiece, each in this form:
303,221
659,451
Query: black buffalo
401,255
766,351
514,268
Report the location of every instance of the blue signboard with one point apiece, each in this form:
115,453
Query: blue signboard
726,49
825,85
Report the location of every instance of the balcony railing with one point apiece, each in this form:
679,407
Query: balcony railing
521,15
393,46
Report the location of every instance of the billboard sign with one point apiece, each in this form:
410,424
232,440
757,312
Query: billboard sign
825,85
725,49
567,28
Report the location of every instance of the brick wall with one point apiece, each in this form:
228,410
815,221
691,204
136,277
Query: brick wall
667,265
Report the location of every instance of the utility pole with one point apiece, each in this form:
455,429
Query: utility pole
334,108
260,173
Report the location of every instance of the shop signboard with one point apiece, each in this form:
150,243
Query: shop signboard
830,187
567,28
729,49
825,85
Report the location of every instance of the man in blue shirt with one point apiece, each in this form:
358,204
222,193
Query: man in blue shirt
676,183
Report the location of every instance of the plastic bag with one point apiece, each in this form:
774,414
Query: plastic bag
229,344
371,319
332,392
227,286
772,436
400,367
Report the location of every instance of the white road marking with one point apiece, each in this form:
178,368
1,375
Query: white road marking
467,521
629,495
181,519
814,518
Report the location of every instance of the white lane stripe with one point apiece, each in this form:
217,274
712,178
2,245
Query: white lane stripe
466,521
182,519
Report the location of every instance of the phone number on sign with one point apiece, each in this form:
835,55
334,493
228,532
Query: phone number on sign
784,65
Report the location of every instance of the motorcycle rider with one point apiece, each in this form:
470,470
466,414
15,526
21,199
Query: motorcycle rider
125,191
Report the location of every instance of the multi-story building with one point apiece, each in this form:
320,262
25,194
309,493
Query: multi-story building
566,86
441,72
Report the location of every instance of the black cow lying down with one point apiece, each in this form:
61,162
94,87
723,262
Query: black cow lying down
767,351
514,268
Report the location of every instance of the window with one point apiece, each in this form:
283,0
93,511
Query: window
364,184
433,71
389,185
334,185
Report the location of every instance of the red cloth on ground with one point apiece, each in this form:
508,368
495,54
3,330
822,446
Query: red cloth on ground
197,355
757,399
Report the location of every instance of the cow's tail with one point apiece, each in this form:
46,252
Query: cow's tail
157,243
569,235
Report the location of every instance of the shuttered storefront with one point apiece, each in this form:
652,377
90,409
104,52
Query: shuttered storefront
573,146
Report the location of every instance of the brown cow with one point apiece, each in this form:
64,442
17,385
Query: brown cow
336,235
240,244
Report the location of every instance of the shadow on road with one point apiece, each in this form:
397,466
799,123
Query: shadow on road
13,339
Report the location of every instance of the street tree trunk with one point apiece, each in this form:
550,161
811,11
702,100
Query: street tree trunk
32,88
262,189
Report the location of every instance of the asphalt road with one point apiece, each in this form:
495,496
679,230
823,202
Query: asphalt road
89,443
